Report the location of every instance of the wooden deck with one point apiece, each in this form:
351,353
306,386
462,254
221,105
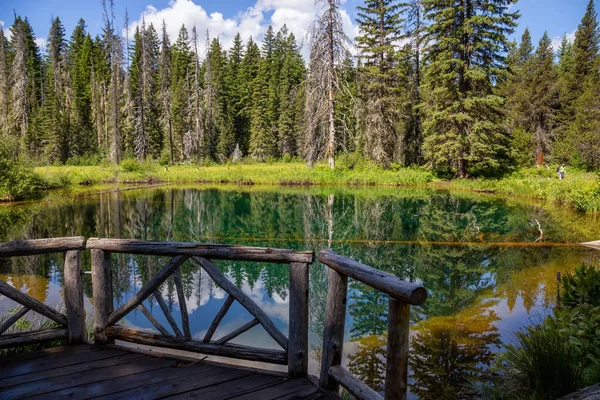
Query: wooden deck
84,371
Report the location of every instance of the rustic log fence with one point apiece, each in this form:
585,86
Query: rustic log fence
294,350
402,295
72,325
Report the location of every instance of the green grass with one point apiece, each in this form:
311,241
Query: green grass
579,190
278,173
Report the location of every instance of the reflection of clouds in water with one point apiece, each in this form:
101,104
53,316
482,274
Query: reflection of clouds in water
274,307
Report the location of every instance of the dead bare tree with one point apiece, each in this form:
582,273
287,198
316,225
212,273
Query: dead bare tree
328,47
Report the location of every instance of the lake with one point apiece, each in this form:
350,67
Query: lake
472,252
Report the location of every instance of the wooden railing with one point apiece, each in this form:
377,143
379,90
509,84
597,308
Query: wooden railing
294,351
72,325
402,295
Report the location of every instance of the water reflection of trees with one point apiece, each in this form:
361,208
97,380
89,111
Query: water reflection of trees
359,224
451,355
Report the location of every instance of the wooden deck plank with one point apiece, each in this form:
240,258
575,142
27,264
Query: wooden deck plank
231,389
40,367
83,372
124,383
78,363
181,384
25,363
281,389
107,369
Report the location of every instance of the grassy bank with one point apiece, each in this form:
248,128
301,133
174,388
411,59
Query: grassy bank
279,173
579,190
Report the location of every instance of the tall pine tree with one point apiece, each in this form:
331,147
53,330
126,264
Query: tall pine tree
464,132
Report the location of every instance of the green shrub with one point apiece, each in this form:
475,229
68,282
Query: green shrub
582,287
18,181
542,364
59,180
131,165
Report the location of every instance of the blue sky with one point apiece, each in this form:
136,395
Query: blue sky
252,16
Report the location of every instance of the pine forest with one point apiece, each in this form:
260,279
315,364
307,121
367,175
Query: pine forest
432,83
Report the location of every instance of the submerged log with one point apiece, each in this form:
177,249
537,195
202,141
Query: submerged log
216,251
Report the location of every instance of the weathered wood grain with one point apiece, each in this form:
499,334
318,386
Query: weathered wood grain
12,319
221,252
102,293
352,384
73,292
228,286
383,281
146,290
228,350
213,326
396,374
153,320
333,333
163,305
31,247
298,317
185,320
237,332
25,338
32,304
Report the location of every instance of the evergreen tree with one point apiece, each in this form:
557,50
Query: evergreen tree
465,56
4,85
165,90
55,101
214,123
80,76
380,24
181,57
410,70
20,78
249,72
290,116
262,142
233,88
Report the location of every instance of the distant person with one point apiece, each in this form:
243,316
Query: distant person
558,171
562,171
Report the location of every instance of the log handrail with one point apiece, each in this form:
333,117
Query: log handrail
295,347
385,282
211,251
72,323
402,295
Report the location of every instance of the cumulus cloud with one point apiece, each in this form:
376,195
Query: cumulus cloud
41,42
251,22
557,40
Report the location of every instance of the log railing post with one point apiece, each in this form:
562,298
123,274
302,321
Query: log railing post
73,292
298,316
103,293
333,334
396,374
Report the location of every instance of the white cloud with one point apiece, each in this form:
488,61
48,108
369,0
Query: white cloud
298,15
41,42
557,40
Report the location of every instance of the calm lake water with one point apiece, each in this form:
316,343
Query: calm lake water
468,250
